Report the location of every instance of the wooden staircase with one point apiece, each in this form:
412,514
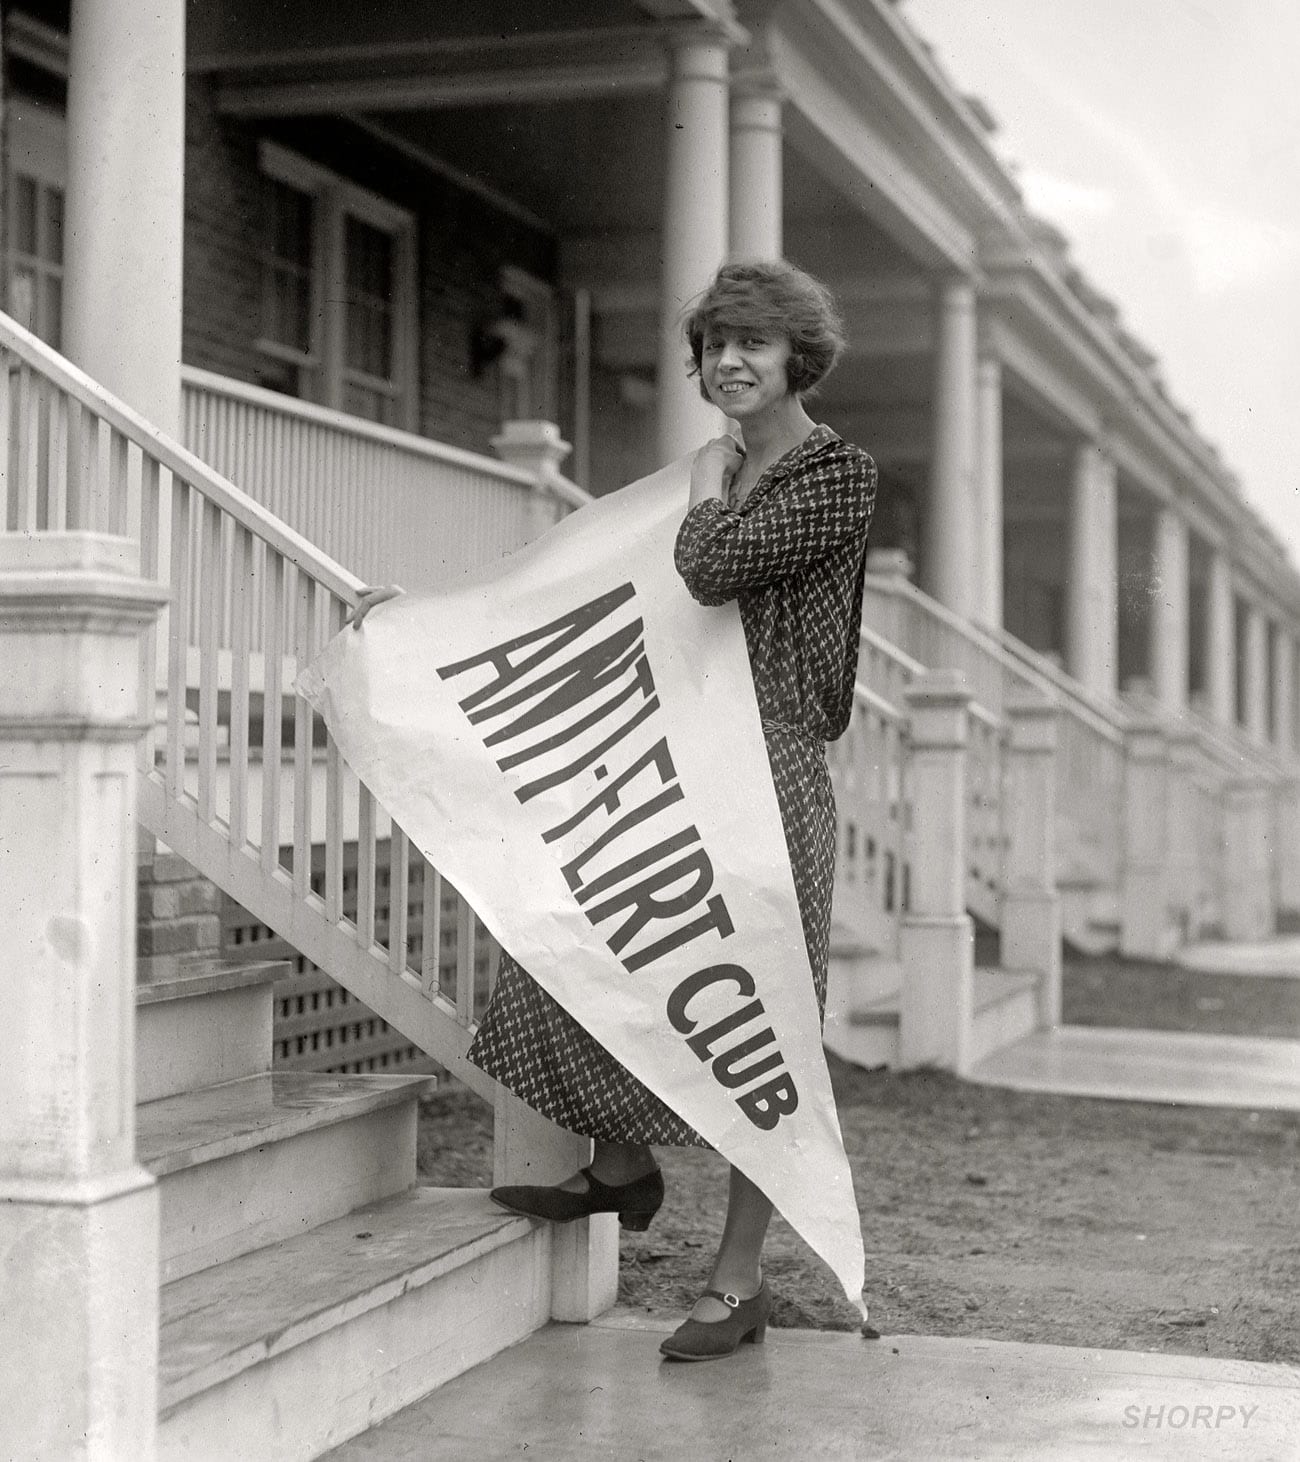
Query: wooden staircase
309,1287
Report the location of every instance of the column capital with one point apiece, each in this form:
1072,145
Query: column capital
719,32
751,82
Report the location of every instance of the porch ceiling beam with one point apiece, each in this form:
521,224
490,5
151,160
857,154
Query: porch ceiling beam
422,93
429,75
1041,383
837,138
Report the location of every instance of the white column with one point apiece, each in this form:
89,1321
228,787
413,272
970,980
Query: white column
1170,610
1283,690
989,390
78,1215
756,167
1256,673
949,530
125,200
1221,642
694,238
1092,608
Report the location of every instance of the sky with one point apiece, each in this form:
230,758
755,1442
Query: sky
1163,138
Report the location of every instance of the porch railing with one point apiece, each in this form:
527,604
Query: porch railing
240,791
394,507
877,841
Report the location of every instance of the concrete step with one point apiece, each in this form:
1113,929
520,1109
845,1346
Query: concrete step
859,981
1005,1010
249,1162
286,1352
208,1024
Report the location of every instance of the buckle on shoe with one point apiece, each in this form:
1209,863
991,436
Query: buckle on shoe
731,1301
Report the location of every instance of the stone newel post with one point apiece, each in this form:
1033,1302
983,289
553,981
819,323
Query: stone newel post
528,1148
1031,905
1145,926
78,1216
1249,887
937,942
537,448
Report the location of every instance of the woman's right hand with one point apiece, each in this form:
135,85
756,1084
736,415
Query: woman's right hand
714,466
369,598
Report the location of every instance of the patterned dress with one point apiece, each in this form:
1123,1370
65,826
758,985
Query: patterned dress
793,554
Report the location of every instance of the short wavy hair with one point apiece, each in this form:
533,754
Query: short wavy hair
771,298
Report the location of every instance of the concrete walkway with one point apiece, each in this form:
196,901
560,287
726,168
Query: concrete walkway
1278,956
1151,1066
601,1391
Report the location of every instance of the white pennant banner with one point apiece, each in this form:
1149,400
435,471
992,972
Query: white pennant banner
574,742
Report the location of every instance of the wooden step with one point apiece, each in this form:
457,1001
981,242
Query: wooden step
283,1353
1005,1009
252,1161
209,1024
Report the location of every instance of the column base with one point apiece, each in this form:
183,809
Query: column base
1031,940
936,1003
79,1321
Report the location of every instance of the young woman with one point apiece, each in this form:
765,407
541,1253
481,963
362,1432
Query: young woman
777,520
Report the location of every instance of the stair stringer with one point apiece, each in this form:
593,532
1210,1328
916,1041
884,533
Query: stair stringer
427,1019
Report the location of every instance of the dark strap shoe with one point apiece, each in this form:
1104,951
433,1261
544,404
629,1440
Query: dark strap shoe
636,1203
711,1339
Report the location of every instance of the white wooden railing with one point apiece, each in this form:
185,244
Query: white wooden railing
877,841
240,791
392,506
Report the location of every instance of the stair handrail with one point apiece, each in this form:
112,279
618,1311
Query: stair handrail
178,460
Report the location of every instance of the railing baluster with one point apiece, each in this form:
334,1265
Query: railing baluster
273,609
465,955
365,868
119,490
399,872
241,595
178,637
431,929
85,450
150,509
56,490
304,614
334,830
29,476
8,507
209,623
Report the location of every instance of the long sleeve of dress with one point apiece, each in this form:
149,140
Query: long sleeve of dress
826,502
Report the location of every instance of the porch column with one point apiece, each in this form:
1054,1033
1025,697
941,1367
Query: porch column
950,541
78,1215
1284,690
1170,611
1221,642
693,241
757,183
1256,673
989,391
125,200
1092,614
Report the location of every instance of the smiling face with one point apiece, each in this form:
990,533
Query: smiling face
744,371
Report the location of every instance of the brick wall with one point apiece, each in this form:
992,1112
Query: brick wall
463,241
178,917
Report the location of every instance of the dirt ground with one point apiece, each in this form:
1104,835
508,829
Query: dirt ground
1015,1216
